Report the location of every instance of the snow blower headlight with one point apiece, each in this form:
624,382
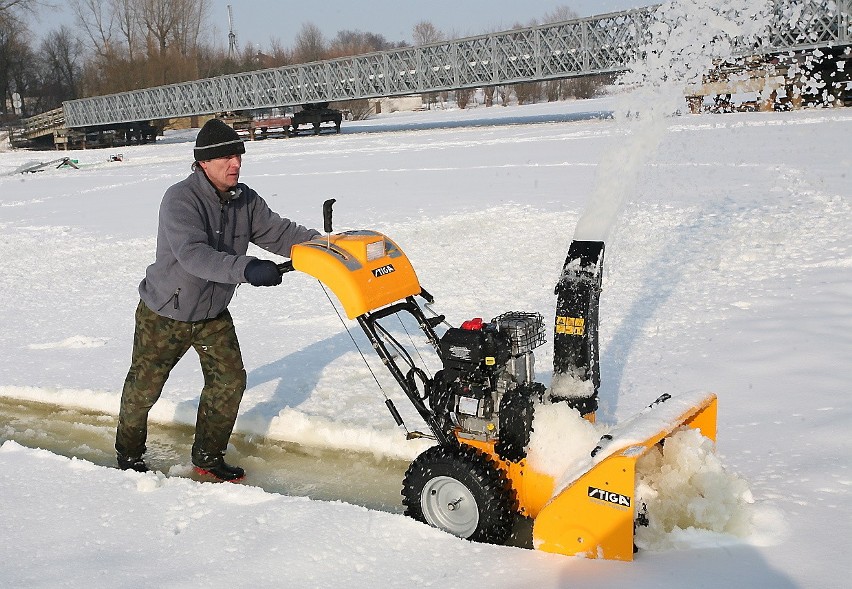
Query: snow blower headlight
375,250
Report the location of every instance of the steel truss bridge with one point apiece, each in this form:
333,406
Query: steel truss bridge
587,46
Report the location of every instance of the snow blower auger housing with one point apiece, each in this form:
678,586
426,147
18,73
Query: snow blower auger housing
480,405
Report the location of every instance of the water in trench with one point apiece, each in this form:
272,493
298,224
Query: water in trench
278,467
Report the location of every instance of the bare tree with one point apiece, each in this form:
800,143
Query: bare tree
61,55
11,6
347,43
127,19
97,20
58,68
159,18
173,28
278,54
559,14
359,110
310,44
139,43
190,17
464,96
503,93
16,61
527,92
250,58
424,33
488,93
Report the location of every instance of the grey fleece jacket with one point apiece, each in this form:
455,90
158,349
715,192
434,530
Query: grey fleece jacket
202,242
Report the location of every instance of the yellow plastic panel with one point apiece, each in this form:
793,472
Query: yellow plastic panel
364,269
532,489
704,420
594,516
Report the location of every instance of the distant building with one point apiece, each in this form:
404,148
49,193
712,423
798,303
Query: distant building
397,104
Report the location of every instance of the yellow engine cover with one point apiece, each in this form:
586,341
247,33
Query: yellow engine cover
365,269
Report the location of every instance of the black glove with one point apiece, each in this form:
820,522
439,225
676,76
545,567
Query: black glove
262,273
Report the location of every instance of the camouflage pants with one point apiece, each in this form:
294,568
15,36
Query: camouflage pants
158,344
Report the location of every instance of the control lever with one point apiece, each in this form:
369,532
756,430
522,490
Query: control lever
287,266
326,214
326,220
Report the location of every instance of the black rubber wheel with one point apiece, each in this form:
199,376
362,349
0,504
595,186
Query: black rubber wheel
461,491
517,409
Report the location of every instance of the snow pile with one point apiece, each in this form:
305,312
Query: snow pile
567,385
73,342
561,440
687,492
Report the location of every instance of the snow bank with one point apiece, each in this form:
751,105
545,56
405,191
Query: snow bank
76,524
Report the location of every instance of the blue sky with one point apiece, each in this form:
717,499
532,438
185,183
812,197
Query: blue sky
258,21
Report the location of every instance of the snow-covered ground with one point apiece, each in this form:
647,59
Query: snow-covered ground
728,256
728,270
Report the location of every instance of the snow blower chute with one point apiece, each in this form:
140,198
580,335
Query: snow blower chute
479,406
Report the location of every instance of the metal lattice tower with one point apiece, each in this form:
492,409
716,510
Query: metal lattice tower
587,46
232,37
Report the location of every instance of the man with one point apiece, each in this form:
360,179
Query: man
205,225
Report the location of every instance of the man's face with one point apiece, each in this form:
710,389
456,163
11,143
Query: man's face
223,172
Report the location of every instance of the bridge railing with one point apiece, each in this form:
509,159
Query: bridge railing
40,124
580,47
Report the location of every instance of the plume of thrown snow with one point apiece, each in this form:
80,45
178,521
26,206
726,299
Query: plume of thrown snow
685,38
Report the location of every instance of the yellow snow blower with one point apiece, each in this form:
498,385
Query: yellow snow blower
479,406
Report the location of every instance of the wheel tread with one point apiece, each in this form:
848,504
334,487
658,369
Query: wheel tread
479,473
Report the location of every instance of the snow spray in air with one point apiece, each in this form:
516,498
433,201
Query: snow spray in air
685,37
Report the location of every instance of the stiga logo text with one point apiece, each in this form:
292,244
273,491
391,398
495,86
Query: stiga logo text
609,497
384,270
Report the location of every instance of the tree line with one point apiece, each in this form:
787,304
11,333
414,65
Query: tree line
120,45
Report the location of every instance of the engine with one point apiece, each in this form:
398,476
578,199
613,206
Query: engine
485,390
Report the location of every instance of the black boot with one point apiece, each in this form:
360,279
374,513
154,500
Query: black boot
216,467
128,463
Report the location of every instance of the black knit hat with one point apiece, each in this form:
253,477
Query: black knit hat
217,139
